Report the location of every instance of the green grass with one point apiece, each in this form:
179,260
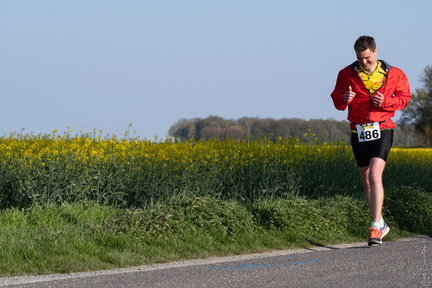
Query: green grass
80,203
83,237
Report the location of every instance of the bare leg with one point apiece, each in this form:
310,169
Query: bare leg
373,187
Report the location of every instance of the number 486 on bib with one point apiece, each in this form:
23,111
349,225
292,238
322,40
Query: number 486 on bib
368,132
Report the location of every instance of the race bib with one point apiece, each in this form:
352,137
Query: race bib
368,132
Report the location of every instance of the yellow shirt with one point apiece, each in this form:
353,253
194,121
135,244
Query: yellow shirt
375,80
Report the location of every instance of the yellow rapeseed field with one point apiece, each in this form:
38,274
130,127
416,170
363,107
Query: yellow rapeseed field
45,168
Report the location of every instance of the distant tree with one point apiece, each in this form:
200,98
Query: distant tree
236,132
247,123
210,132
295,127
404,137
211,127
183,129
418,114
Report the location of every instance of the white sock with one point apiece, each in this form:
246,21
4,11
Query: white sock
375,224
381,222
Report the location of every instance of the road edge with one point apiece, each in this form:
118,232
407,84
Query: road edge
9,281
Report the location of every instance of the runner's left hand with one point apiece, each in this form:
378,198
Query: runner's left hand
378,99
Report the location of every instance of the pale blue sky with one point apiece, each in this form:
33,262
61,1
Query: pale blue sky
105,64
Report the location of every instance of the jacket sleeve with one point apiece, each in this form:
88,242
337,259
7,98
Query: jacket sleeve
400,96
339,91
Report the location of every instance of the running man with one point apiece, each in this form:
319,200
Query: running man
373,91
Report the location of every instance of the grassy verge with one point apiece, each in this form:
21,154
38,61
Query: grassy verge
82,237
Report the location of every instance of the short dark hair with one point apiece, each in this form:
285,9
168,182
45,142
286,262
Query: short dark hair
363,43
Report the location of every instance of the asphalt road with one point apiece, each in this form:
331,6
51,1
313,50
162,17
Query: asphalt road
403,263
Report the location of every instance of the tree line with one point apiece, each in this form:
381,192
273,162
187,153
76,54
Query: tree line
249,128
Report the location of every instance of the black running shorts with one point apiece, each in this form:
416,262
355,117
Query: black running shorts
365,151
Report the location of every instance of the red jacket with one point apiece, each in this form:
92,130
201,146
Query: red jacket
396,91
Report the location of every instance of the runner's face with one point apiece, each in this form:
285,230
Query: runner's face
367,59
